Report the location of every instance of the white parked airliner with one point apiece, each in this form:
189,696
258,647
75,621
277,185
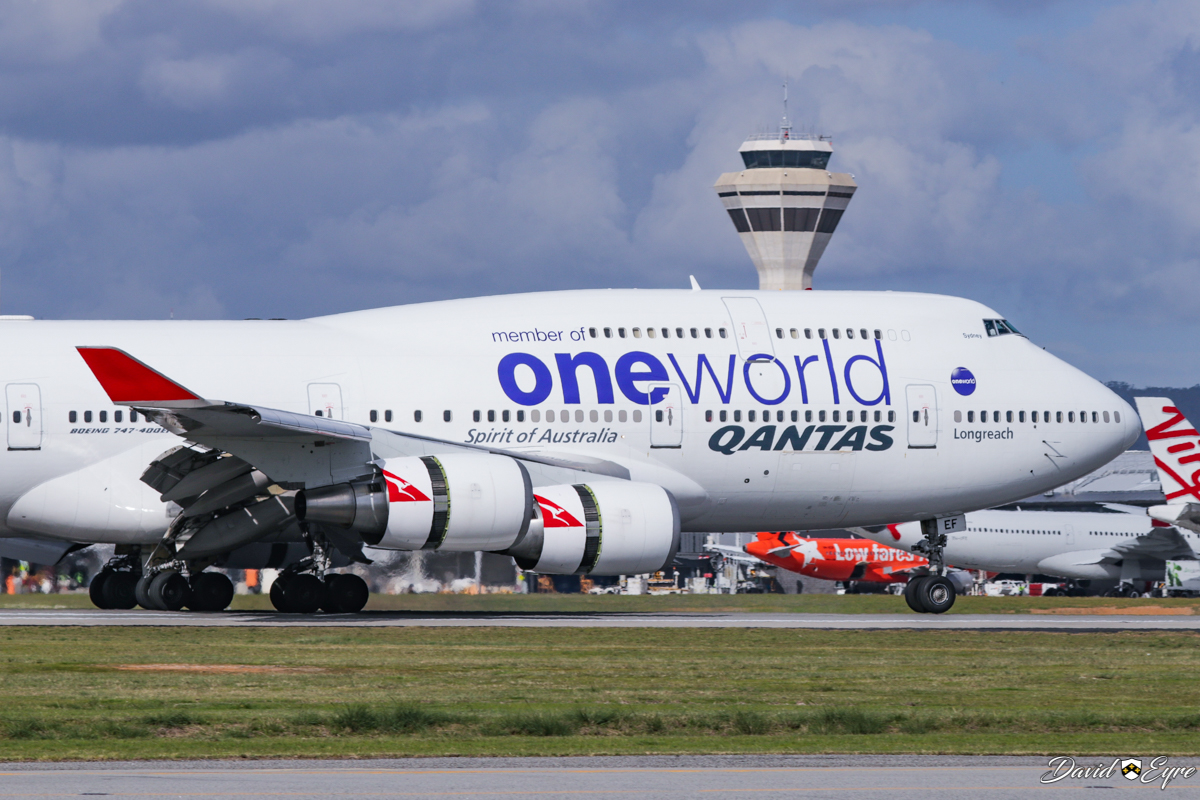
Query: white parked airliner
577,431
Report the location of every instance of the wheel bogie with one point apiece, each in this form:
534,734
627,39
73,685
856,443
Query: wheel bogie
345,593
169,590
935,594
118,590
210,591
96,589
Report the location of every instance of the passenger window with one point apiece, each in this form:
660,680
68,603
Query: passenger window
821,416
491,415
878,333
750,415
1070,416
374,415
891,335
650,332
637,333
821,333
679,333
723,415
996,416
779,333
708,416
1117,416
132,415
608,333
520,416
475,416
1094,417
878,415
958,416
795,333
116,416
592,332
808,416
1105,416
836,415
779,416
970,416
1058,416
104,416
594,415
622,416
666,332
416,416
16,416
387,415
722,332
658,416
694,332
608,416
808,333
891,416
795,416
621,332
550,416
504,416
849,333
863,333
1008,415
737,416
72,416
578,415
916,416
708,333
836,334
536,416
446,415
637,416
1020,416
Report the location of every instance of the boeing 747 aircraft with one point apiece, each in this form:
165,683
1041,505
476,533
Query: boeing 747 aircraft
578,432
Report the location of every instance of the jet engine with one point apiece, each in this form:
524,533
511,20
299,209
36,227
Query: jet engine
457,502
600,528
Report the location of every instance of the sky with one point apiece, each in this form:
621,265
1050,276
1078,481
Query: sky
293,158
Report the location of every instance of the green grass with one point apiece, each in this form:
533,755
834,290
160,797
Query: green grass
269,692
742,603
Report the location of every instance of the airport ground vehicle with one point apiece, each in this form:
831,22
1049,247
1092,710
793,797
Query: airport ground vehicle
578,432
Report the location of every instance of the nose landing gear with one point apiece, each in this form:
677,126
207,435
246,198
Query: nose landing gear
933,593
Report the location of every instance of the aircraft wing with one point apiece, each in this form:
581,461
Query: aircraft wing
1185,515
1160,543
732,553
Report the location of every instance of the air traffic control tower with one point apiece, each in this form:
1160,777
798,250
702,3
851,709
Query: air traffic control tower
785,205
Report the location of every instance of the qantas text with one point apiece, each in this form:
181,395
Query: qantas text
814,438
528,380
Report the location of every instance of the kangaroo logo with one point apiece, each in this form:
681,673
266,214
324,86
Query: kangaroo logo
401,491
555,516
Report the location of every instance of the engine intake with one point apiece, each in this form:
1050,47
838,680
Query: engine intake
600,528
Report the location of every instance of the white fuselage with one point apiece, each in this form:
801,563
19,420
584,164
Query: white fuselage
1068,544
750,423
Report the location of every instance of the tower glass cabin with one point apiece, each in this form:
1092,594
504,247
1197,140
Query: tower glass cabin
785,205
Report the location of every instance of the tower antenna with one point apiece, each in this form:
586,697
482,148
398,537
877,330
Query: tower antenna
785,129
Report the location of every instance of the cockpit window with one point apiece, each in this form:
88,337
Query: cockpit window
998,327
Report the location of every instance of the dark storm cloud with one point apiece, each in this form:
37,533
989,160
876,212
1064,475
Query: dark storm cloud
271,158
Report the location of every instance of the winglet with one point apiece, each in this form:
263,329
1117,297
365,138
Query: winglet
129,382
695,283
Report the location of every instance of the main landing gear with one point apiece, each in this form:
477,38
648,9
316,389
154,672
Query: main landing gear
933,593
305,593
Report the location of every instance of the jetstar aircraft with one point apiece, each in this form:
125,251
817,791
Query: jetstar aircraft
847,560
468,425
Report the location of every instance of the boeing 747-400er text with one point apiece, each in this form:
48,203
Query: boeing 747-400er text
578,432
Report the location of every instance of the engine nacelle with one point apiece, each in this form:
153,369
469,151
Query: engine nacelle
458,502
360,506
600,528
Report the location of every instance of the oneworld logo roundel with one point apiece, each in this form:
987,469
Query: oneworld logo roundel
963,381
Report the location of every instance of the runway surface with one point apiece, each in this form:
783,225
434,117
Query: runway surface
893,777
368,619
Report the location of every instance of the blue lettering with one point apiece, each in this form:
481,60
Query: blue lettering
832,373
800,365
787,382
701,365
853,438
879,434
761,438
627,377
543,381
567,365
721,444
885,393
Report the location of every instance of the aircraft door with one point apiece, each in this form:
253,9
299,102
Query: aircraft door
666,417
750,329
922,416
1068,534
325,400
24,416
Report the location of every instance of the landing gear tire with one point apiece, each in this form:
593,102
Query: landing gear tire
279,595
910,593
118,590
141,593
96,589
935,594
211,591
304,593
345,594
169,591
